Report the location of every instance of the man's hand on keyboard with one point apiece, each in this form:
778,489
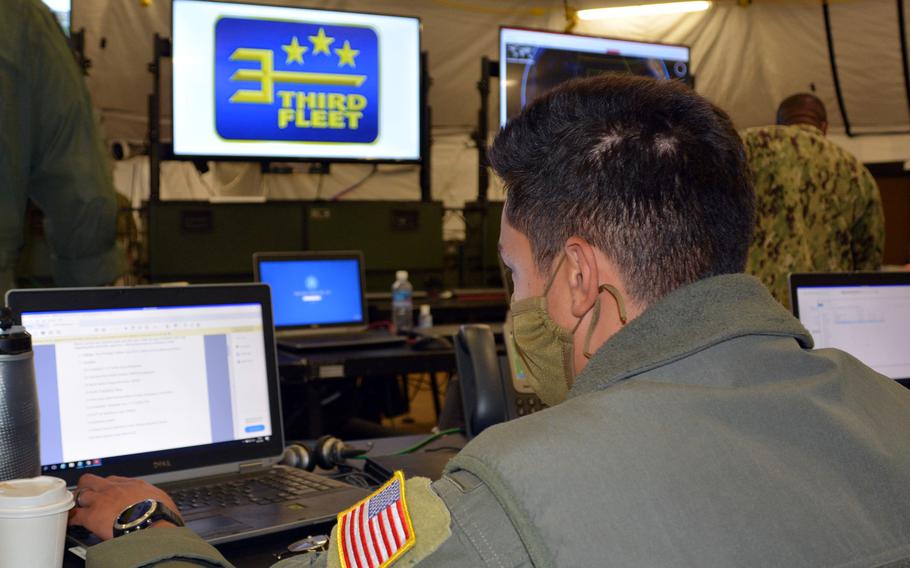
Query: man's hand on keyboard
100,500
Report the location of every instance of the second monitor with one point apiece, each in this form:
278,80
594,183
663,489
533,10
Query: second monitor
531,62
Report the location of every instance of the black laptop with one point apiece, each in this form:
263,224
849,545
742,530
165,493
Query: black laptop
319,300
178,385
866,314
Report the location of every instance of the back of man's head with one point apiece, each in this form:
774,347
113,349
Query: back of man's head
647,171
803,108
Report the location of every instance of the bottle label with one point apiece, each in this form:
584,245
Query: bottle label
401,296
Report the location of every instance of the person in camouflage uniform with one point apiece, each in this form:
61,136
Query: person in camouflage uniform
818,208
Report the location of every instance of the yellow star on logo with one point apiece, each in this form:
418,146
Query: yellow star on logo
321,42
346,55
295,51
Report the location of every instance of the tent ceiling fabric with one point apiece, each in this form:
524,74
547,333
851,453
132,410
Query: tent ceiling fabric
456,34
870,65
745,59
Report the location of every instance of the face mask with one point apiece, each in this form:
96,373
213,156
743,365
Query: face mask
547,350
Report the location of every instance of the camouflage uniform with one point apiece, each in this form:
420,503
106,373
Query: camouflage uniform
818,208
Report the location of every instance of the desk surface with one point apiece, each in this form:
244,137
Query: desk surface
259,552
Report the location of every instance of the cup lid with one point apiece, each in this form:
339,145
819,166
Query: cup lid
34,497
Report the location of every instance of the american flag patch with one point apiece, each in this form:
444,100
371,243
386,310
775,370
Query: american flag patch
377,531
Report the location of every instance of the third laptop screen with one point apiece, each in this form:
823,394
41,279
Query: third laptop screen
871,323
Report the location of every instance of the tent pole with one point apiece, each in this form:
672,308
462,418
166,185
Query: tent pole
905,57
833,60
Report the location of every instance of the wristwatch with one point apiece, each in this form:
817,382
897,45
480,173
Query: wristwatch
142,515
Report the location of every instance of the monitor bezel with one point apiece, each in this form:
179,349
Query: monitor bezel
839,279
421,114
502,63
180,459
290,256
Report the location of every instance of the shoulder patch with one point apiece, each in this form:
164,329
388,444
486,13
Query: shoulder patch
380,530
375,532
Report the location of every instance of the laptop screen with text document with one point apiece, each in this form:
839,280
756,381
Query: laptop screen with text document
865,314
138,389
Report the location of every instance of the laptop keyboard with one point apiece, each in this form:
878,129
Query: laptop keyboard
275,485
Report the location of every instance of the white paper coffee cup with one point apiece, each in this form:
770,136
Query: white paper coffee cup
33,522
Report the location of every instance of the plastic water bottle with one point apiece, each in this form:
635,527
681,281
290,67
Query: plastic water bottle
425,319
402,303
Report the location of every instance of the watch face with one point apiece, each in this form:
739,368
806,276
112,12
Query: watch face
137,512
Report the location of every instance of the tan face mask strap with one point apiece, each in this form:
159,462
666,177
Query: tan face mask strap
562,258
620,304
594,319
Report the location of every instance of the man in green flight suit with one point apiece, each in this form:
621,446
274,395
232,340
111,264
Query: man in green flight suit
818,208
50,153
690,421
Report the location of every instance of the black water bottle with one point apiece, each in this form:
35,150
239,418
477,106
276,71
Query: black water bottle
19,451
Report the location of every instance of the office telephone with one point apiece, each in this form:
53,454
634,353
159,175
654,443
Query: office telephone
493,381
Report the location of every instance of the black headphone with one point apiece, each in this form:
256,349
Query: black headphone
328,453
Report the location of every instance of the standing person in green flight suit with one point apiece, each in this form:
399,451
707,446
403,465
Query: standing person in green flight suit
50,153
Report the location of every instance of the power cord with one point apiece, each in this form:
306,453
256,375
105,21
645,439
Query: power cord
429,440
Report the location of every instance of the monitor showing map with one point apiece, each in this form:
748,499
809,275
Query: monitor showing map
531,62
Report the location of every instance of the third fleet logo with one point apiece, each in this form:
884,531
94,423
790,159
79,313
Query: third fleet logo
300,82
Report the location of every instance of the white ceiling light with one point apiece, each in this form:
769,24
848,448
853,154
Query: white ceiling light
644,10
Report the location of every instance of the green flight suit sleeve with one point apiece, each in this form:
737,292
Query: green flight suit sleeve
160,547
869,226
458,522
483,535
69,175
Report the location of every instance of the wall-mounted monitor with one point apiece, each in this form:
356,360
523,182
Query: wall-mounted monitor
270,82
63,11
531,62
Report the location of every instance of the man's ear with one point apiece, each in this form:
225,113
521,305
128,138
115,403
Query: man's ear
583,275
824,127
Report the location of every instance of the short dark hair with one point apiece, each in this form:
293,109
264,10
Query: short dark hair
647,171
802,108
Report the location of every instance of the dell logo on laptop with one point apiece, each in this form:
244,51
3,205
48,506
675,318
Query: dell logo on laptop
161,464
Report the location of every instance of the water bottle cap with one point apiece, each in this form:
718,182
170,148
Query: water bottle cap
401,275
13,338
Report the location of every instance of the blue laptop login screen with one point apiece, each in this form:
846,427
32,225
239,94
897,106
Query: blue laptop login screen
314,292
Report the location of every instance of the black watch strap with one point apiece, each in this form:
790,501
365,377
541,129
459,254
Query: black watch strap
144,514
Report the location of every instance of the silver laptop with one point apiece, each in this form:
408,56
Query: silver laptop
177,385
866,314
319,300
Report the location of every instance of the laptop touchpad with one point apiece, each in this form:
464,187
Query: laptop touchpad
213,526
